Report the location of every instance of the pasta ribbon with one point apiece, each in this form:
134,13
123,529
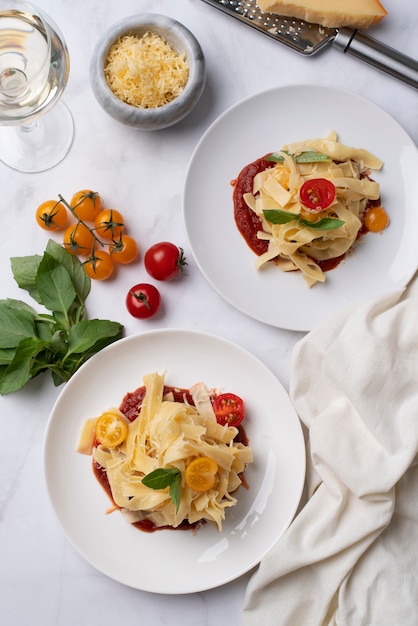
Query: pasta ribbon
294,244
170,434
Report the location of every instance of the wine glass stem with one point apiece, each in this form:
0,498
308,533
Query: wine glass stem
30,127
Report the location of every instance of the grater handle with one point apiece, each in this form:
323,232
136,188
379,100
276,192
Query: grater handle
377,54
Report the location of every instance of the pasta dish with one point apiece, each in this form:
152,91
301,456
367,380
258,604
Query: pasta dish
305,206
171,456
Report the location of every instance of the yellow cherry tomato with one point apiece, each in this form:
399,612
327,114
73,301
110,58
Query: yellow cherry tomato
51,215
78,240
111,429
109,224
200,474
99,265
86,205
124,250
376,219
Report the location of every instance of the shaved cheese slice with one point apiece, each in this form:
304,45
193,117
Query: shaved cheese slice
87,436
331,13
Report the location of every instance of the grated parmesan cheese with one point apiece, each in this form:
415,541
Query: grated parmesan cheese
146,72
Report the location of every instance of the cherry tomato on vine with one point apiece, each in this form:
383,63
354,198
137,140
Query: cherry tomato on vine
51,215
99,265
164,261
86,205
109,224
143,300
124,249
317,194
78,239
200,473
111,429
229,409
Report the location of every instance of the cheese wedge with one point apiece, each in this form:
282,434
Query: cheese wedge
330,13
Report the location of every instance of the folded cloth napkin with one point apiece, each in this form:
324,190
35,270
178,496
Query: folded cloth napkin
350,557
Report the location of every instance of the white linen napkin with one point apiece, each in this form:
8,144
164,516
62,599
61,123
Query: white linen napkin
350,557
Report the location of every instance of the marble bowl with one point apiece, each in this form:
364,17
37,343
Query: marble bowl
182,40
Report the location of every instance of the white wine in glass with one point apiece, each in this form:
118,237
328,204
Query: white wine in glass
36,129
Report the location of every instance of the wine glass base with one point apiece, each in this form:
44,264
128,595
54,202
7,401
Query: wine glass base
39,145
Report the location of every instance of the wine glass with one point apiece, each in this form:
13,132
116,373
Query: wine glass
36,129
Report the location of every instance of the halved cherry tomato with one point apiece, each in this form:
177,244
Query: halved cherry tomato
51,215
111,429
229,409
376,219
200,474
86,205
164,261
124,249
99,265
143,300
317,194
109,224
78,239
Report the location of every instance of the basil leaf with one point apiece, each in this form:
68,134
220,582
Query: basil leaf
165,477
275,216
19,371
310,156
25,270
87,334
15,324
59,341
55,285
326,223
81,281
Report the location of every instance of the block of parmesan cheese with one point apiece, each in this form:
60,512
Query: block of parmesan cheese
331,13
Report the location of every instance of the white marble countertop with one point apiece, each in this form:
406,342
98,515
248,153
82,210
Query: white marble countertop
43,580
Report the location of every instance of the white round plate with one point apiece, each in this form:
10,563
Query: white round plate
264,123
167,561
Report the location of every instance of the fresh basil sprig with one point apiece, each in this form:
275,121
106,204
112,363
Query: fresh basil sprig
275,216
165,477
59,341
310,156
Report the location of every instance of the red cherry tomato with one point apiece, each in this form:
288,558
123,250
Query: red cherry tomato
143,300
229,409
317,194
164,261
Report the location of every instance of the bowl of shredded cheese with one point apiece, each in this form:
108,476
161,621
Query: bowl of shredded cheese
148,71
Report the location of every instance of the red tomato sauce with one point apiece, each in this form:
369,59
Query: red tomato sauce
248,223
131,407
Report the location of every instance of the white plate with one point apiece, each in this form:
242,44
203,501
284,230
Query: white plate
264,123
175,562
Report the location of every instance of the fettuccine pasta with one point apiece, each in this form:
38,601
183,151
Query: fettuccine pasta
298,238
168,435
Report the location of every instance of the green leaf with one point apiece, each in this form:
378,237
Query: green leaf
326,223
310,156
54,285
59,341
6,355
86,334
275,216
19,371
165,477
16,323
25,270
81,282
